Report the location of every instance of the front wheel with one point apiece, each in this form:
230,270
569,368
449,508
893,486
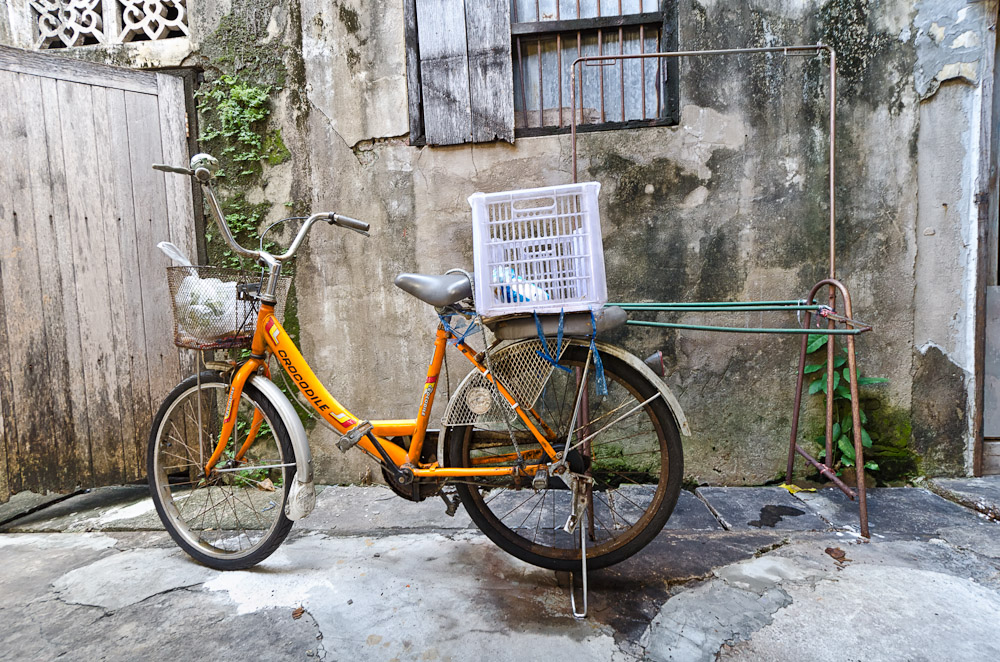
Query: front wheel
235,517
633,456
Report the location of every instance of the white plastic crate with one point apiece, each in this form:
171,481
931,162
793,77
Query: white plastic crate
538,250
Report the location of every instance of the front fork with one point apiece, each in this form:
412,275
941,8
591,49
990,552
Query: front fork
232,408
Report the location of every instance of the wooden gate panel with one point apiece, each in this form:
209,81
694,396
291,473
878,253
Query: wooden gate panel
133,387
173,131
76,451
92,279
49,204
151,228
180,221
5,407
11,481
132,291
105,142
22,284
85,321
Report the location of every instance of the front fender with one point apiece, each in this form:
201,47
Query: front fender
302,495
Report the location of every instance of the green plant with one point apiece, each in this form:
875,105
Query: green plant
843,444
252,477
235,112
243,219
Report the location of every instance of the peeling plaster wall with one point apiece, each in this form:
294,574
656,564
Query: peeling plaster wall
729,205
948,39
353,71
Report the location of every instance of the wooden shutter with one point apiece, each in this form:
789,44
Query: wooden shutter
491,75
466,81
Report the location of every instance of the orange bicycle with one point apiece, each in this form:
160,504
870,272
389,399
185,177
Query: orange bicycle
558,457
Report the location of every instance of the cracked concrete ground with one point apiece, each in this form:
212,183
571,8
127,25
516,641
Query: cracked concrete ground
740,574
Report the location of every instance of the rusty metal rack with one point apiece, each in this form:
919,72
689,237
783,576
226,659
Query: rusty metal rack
808,305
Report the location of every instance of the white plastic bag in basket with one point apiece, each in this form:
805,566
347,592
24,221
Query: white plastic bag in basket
206,308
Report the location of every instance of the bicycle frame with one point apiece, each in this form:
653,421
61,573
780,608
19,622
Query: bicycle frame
270,336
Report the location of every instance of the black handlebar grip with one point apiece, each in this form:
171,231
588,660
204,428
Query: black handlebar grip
350,223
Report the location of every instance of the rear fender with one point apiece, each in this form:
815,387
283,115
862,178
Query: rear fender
633,361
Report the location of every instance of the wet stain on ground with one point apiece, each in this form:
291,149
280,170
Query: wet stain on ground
624,597
771,515
628,595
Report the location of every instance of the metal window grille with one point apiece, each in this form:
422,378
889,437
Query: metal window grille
72,23
548,35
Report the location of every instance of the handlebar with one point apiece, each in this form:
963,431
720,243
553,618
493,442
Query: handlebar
203,168
350,223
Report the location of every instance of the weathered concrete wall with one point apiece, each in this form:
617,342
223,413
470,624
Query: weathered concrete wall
947,78
729,205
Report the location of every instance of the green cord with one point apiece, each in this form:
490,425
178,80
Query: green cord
731,307
732,329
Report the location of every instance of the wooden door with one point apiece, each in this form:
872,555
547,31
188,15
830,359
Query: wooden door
86,351
991,410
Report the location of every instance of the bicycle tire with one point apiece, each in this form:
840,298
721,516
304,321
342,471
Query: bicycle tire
647,486
203,516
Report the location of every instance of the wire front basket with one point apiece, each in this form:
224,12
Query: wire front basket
214,308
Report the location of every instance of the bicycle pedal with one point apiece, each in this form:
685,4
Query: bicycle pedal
541,479
353,436
450,504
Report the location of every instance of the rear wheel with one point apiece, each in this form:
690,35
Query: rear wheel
235,517
634,458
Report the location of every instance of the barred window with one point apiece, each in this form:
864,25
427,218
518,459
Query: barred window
482,71
549,36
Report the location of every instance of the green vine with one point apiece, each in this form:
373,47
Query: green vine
843,445
233,115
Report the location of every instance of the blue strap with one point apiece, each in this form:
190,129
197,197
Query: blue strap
544,352
457,338
602,383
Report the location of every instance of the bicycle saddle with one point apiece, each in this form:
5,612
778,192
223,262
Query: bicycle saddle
436,290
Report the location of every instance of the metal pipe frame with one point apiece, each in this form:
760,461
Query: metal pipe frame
852,366
749,329
831,282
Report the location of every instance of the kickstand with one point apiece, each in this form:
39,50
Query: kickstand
583,573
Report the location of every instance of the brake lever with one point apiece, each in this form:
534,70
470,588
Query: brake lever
168,168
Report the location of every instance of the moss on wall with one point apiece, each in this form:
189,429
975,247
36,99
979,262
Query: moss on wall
848,26
254,84
241,45
891,430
